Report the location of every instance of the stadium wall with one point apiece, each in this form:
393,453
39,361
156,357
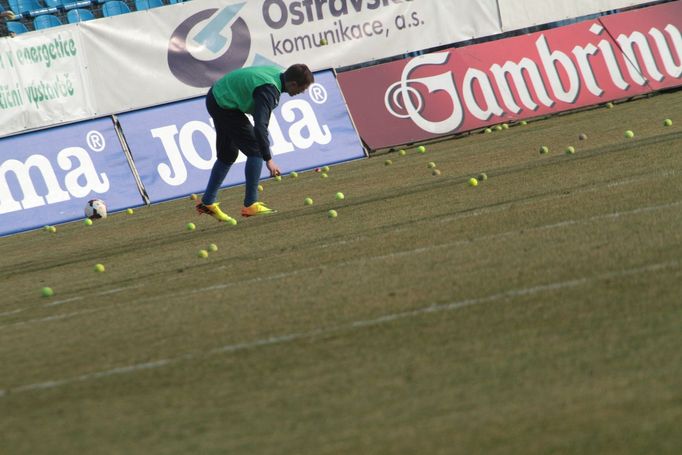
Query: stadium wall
462,89
150,57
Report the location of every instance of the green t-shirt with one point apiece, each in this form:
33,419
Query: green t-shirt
235,89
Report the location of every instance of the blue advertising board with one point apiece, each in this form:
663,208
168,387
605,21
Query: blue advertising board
46,177
173,146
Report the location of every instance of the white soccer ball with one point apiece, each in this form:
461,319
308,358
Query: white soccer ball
95,208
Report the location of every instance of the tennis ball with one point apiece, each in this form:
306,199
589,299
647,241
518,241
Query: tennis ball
609,105
524,123
202,254
213,248
191,226
324,175
87,222
582,136
308,201
473,182
402,152
498,127
278,178
421,149
388,162
53,229
544,149
332,214
232,222
339,196
294,174
130,211
325,168
46,228
47,292
99,268
193,197
488,131
435,172
505,126
431,165
629,134
570,150
482,177
667,122
260,187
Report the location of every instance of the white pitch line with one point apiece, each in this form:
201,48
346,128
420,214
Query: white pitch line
117,290
60,302
362,260
56,317
275,340
10,313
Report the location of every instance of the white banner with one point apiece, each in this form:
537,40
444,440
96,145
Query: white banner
177,52
518,14
42,80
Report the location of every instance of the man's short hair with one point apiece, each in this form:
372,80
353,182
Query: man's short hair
300,74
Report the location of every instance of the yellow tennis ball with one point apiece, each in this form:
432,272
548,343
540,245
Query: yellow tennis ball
308,201
294,174
260,187
213,248
570,150
202,254
339,196
87,222
421,149
473,181
47,292
130,211
193,197
629,134
332,214
191,226
99,268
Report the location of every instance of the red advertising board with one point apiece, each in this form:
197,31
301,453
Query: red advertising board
526,76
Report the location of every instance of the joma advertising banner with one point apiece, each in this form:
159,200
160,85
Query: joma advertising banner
47,177
526,76
173,146
42,80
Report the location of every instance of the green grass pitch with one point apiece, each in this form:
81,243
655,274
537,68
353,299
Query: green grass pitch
539,312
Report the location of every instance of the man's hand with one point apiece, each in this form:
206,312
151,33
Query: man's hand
273,168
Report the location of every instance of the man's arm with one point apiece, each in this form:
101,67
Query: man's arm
265,100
